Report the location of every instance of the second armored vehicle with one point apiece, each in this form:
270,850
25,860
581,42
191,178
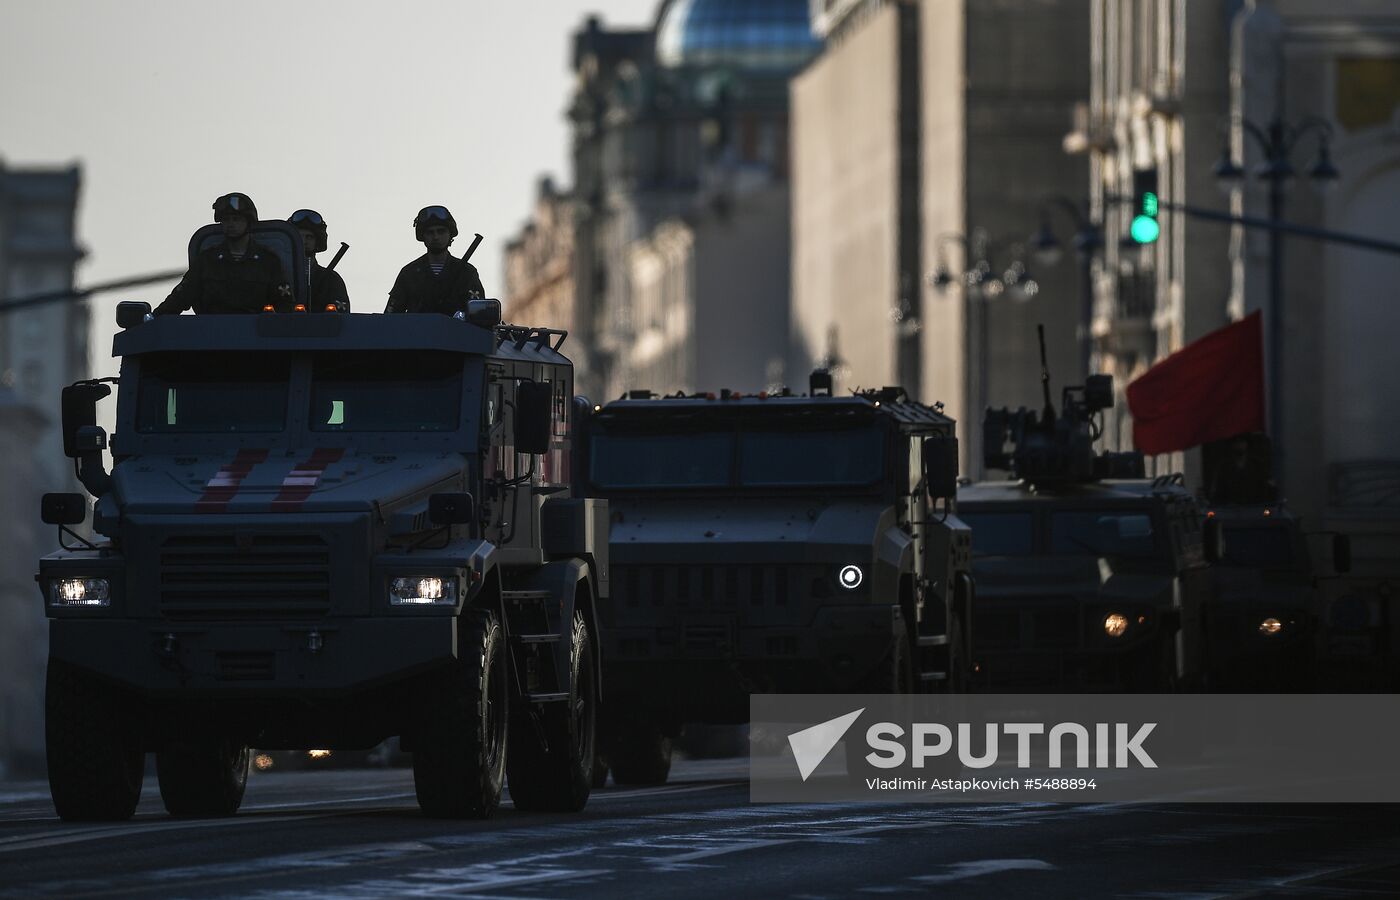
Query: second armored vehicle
772,543
1088,575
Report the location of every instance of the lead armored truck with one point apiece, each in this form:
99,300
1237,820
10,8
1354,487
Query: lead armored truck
772,543
325,530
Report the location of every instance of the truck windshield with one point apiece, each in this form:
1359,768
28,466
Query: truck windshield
378,392
205,393
843,457
1258,548
1102,533
1001,534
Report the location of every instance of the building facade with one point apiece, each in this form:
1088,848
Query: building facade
539,263
680,138
927,140
42,349
1159,100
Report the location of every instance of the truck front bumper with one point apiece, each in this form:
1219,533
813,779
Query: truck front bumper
237,660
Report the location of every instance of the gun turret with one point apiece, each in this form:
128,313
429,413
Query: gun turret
1053,447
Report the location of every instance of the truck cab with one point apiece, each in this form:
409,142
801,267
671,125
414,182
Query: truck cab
772,543
324,530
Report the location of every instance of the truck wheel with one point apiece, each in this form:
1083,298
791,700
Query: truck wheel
552,752
203,779
96,764
640,755
459,765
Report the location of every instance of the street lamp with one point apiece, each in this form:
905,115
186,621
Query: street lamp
1277,141
982,283
1088,238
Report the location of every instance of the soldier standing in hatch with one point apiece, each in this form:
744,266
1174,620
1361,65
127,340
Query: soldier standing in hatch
437,281
236,276
326,286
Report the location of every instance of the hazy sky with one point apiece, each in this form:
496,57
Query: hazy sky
365,112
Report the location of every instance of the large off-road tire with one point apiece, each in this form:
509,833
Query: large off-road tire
459,761
203,779
96,764
552,749
639,754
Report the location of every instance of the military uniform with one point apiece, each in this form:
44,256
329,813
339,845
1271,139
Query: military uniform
219,283
326,287
418,290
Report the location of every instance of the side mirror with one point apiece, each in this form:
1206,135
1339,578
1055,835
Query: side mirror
1098,392
91,439
451,509
533,419
80,411
1341,554
941,466
131,313
1213,540
63,509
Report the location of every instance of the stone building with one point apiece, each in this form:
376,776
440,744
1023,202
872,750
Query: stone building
1158,100
927,137
42,349
539,263
680,142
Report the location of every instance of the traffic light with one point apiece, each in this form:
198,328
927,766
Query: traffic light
1145,228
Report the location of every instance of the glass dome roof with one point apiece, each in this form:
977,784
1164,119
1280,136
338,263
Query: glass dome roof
774,35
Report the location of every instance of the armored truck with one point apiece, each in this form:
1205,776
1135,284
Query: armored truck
772,543
1265,627
322,531
1089,575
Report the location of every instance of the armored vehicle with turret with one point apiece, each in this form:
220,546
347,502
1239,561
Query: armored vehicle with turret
1089,575
772,543
322,531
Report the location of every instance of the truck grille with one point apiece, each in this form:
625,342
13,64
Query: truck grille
721,588
226,575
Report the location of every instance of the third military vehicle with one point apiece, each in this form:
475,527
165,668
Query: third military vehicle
1088,574
772,543
321,531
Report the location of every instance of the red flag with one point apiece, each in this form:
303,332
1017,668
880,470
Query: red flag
1211,389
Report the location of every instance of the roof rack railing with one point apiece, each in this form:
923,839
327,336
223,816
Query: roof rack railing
520,335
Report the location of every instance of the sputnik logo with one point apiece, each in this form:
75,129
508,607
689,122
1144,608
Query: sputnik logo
811,745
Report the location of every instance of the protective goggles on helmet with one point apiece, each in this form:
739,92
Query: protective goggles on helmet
306,217
433,214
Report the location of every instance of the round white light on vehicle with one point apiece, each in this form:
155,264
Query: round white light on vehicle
1270,626
851,577
1115,625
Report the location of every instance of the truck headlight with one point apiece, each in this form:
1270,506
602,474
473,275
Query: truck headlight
423,590
1115,625
79,592
851,577
1270,626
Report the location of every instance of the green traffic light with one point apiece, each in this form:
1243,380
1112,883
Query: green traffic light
1145,229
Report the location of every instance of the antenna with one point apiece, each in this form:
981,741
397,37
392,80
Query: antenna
1049,414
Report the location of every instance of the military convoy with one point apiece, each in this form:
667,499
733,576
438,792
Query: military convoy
321,531
771,543
1089,576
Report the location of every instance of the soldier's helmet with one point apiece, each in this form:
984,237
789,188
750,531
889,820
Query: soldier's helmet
433,215
310,220
235,205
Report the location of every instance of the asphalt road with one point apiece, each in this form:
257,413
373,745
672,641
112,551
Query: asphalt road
358,833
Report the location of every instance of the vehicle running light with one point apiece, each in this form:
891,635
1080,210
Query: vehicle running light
1270,626
80,592
1115,625
423,590
851,577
